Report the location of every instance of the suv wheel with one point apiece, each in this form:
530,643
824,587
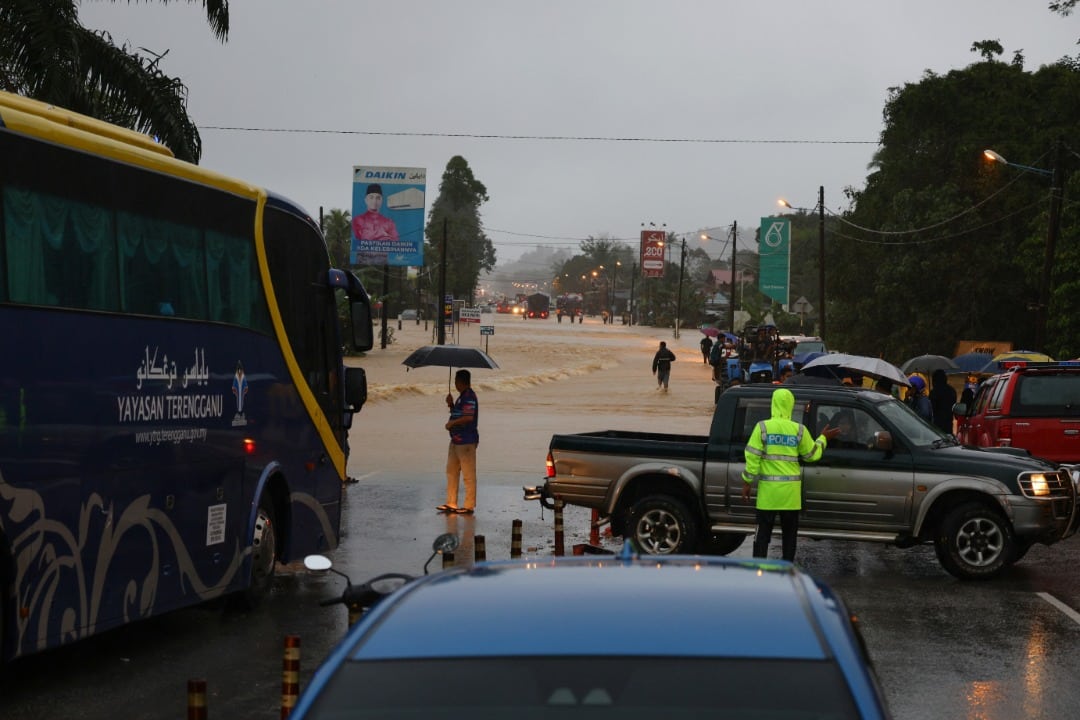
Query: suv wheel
974,542
661,525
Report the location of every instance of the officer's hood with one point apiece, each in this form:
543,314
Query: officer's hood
783,402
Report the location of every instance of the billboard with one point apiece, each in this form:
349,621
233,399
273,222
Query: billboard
388,215
652,253
774,248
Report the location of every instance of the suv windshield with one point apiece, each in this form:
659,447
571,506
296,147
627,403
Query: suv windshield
914,431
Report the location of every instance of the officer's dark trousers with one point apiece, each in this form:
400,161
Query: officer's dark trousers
789,526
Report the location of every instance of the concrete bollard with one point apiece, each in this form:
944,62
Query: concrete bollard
290,675
560,550
515,540
479,548
447,560
196,699
594,528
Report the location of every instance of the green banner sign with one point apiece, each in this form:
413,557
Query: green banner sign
774,248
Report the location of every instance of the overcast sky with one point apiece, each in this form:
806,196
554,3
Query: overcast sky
741,102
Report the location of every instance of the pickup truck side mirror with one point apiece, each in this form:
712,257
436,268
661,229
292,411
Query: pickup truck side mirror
883,440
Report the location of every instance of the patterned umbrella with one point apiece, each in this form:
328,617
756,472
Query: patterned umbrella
995,365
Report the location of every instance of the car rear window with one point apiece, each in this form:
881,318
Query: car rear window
1046,395
601,688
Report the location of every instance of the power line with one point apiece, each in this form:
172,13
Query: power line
556,138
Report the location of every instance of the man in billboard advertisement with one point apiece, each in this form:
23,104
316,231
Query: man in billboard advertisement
388,215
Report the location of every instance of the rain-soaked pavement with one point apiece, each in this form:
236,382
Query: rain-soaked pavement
942,648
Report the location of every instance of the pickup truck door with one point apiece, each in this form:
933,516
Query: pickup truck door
855,486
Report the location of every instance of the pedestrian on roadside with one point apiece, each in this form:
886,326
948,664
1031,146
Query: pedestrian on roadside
942,399
917,400
706,347
464,437
661,366
773,456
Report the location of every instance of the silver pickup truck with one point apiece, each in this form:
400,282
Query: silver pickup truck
894,479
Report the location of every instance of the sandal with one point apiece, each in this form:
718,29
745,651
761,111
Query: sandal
445,508
463,511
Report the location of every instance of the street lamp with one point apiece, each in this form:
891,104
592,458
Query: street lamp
1053,227
821,254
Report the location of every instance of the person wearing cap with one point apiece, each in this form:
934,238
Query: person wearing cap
373,225
917,400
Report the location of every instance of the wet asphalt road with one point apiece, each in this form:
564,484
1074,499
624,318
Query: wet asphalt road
1009,648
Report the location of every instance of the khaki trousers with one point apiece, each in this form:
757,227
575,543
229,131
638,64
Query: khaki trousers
461,460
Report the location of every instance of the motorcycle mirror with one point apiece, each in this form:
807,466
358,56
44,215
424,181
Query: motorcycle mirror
317,563
447,542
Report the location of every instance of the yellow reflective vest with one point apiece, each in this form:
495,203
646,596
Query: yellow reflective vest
773,453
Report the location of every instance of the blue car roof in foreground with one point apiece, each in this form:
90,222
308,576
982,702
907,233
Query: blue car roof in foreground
597,606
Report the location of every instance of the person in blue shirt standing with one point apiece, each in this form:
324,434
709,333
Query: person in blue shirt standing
464,437
917,399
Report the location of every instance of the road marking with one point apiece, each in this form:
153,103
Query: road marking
1069,612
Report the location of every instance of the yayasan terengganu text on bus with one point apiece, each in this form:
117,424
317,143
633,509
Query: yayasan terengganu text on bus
173,402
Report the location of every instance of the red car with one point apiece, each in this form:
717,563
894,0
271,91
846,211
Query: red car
1033,406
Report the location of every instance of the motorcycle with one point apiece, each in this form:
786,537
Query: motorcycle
358,599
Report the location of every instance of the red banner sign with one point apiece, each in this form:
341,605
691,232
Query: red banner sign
652,253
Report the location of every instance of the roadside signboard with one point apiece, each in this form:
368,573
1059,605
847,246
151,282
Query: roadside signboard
652,253
774,248
470,315
388,215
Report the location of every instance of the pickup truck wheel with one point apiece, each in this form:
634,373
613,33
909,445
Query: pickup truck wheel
974,542
661,525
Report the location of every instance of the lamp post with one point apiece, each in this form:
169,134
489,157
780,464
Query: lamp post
821,254
1052,229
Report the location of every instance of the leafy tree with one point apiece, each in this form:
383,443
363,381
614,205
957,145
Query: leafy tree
46,54
941,245
469,251
337,229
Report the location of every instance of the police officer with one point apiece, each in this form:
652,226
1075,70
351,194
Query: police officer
772,460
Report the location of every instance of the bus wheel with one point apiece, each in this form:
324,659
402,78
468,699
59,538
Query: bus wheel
263,557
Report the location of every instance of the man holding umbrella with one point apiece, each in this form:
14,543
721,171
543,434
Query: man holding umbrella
464,437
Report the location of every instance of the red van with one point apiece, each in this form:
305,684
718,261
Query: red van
1034,406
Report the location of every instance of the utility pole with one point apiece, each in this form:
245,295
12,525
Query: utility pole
821,260
1052,229
633,277
678,299
731,300
440,303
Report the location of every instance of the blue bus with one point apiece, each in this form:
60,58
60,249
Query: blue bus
174,406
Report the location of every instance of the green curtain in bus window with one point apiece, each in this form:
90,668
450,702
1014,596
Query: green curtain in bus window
233,279
160,267
63,249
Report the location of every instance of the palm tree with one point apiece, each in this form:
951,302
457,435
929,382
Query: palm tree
46,54
338,232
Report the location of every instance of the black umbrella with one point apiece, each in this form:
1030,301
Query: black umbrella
451,356
927,364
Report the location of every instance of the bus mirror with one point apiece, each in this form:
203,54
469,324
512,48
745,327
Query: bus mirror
355,389
363,333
